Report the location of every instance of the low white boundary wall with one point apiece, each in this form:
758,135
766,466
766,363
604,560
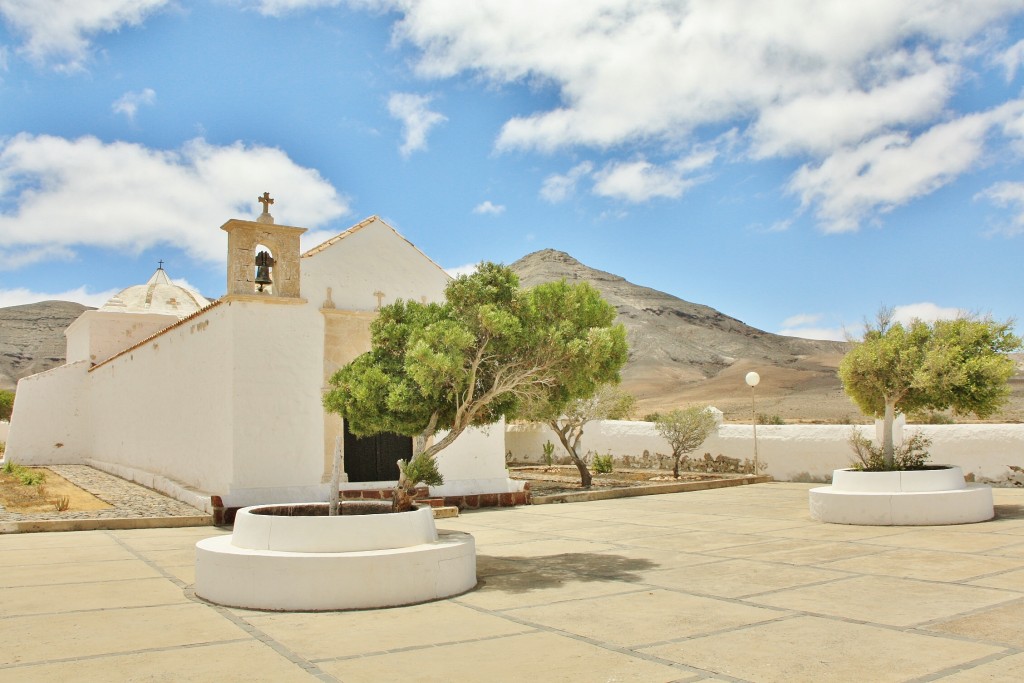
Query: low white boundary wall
791,452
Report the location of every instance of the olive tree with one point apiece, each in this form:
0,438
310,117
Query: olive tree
685,430
959,364
608,402
490,350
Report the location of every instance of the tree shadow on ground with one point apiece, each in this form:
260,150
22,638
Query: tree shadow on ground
523,574
1009,511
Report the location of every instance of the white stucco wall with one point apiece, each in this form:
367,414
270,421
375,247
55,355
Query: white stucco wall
791,452
475,463
370,259
165,407
51,420
277,415
98,335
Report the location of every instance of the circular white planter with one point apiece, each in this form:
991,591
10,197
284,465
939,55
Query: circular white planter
912,497
311,563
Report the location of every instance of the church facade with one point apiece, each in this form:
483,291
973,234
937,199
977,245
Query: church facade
219,404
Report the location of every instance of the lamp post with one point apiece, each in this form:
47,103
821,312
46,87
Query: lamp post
752,379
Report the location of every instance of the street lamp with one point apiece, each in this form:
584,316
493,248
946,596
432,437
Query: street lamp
752,379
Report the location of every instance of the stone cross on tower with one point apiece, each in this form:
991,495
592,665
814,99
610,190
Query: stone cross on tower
266,201
380,299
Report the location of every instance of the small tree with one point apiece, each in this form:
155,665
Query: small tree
607,403
6,404
959,364
685,430
489,351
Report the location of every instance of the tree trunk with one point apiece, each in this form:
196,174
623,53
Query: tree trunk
585,477
335,477
675,466
887,445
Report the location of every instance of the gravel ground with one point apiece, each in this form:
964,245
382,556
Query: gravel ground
129,499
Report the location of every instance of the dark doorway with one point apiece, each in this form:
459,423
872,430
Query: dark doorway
374,458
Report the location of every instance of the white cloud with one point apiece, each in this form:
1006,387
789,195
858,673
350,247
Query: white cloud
21,296
65,193
557,188
416,118
839,84
801,319
1011,196
467,269
820,122
1011,59
856,183
806,326
129,103
59,30
926,311
821,333
640,180
276,8
631,70
12,259
488,207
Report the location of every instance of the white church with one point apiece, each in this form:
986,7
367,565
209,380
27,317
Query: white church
218,403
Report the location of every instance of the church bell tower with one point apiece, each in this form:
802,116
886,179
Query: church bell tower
263,257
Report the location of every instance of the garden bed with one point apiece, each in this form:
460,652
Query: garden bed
559,483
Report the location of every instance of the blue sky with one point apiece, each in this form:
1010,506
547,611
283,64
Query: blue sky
794,163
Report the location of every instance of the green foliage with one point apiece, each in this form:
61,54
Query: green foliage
910,455
959,364
549,453
685,430
930,417
604,464
6,404
421,469
490,350
652,417
24,475
765,419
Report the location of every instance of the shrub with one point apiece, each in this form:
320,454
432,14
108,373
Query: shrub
909,455
764,419
603,464
549,453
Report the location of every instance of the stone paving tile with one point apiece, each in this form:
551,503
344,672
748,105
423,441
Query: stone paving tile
109,631
1003,624
886,600
73,572
928,565
314,636
577,606
646,616
1003,670
250,661
738,578
109,594
1011,581
128,499
813,649
543,657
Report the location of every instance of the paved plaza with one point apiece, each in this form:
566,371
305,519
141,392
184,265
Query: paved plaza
735,584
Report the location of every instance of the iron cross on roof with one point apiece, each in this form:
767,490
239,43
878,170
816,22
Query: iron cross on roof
266,201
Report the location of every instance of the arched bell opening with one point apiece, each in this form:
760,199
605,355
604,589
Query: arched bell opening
263,279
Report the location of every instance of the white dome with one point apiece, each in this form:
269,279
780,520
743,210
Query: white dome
159,295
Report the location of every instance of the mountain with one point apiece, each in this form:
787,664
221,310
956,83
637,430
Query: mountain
682,352
32,338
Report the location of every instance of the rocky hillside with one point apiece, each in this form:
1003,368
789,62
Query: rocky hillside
682,352
32,338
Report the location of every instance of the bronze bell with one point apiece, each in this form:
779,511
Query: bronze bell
263,263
